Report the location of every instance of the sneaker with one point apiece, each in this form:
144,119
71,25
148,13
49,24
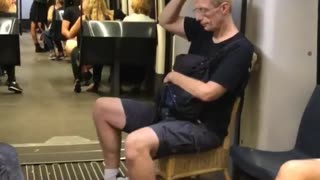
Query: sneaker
122,178
77,87
14,86
52,56
39,49
60,57
86,81
94,87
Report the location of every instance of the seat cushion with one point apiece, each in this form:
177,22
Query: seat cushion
263,165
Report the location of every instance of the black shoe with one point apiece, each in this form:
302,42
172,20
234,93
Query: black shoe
39,49
14,86
77,87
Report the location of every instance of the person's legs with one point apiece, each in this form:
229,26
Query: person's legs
140,146
300,170
48,40
97,72
76,69
34,36
58,44
9,165
37,16
109,119
12,84
111,115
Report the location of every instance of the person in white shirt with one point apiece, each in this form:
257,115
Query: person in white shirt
141,9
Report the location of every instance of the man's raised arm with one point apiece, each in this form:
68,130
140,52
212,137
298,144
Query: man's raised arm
170,19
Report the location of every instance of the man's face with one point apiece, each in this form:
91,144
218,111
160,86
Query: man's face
209,16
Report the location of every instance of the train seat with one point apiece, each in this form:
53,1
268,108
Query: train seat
10,43
117,43
265,164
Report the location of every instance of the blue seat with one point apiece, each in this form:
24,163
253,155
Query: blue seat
265,164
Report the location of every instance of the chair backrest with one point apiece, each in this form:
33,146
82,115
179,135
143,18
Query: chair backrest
128,42
9,26
309,129
231,127
137,45
9,38
98,42
237,108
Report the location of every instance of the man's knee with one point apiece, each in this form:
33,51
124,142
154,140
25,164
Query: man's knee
141,142
135,146
102,106
289,169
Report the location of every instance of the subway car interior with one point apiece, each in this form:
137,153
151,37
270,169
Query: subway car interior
46,111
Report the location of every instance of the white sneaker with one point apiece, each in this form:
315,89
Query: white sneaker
122,178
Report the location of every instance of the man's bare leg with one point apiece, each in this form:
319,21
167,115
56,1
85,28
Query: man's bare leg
109,118
34,36
141,145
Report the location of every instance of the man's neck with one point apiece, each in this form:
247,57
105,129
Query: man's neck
227,30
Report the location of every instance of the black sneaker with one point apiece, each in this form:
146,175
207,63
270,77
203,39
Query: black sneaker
77,87
14,86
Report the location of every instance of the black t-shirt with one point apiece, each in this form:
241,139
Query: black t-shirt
231,73
118,15
71,14
7,14
41,1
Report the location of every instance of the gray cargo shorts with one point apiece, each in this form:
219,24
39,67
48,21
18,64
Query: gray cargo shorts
175,136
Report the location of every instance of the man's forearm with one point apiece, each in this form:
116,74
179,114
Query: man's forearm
171,12
193,86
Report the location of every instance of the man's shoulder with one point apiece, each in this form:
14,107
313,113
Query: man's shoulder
242,42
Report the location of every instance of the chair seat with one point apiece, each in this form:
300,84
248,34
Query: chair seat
185,165
262,164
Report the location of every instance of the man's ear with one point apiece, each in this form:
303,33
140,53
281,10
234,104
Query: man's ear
225,8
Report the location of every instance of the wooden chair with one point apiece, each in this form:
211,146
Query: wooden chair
179,166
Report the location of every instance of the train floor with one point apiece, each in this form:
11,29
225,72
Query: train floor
50,125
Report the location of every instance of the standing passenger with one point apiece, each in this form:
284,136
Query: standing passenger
38,18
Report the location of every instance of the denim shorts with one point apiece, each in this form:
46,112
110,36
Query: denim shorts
176,136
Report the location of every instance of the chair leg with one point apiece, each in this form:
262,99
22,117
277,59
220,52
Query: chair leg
226,174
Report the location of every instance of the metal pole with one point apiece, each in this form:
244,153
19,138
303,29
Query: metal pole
243,16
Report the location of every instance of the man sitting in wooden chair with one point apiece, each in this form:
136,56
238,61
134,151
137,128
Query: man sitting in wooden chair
149,137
